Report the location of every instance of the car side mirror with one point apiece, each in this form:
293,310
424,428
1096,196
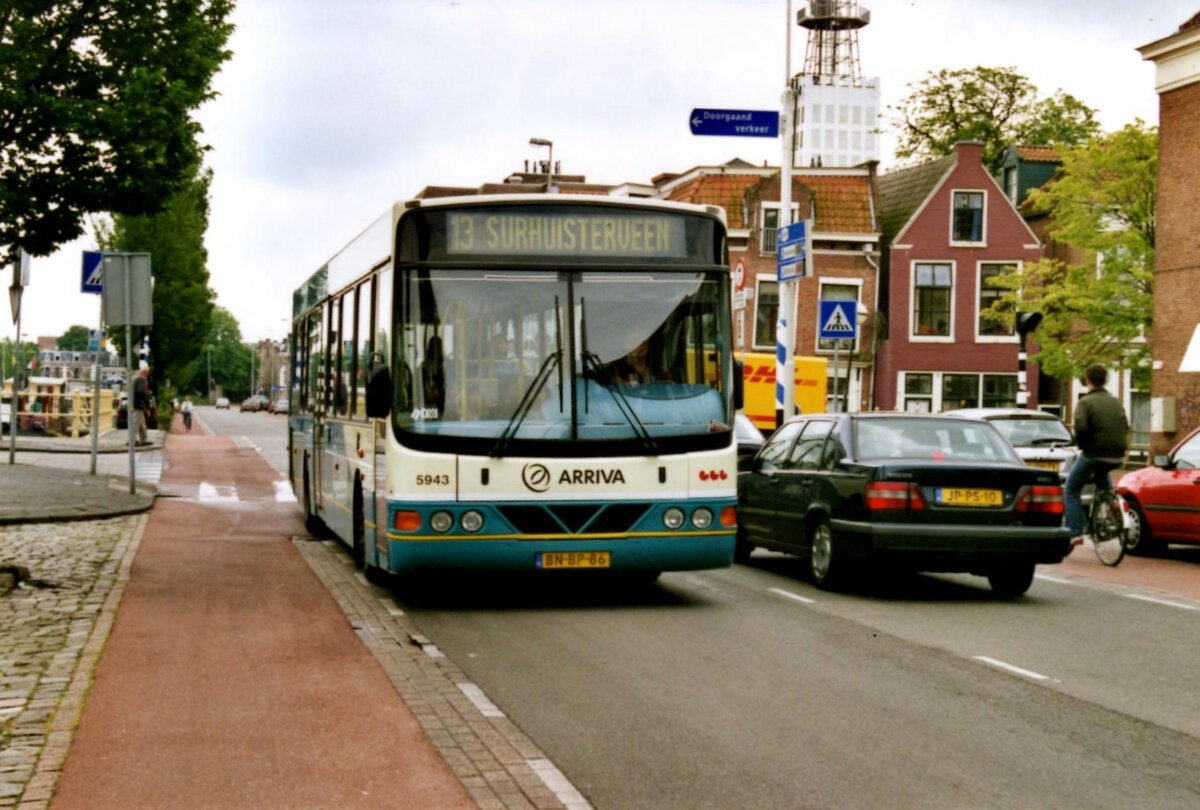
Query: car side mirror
1161,461
379,390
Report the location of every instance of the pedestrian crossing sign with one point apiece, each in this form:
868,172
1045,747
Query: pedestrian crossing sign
838,320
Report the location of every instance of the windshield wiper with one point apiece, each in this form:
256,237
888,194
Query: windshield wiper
551,362
1050,440
592,362
523,407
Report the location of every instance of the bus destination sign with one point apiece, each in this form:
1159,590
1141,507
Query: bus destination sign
542,233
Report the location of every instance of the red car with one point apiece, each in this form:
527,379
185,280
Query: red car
1166,497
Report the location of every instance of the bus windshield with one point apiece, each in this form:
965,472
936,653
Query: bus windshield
556,361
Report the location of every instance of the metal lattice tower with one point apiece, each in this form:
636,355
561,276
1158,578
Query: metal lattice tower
831,55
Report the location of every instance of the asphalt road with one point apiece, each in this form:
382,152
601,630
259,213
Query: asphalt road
748,687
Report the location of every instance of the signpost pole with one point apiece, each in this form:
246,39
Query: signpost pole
96,392
785,364
12,400
129,386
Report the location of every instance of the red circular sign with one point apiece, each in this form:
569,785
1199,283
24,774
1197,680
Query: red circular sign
739,275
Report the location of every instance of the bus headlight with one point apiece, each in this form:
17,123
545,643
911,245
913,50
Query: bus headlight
441,521
471,521
702,518
673,518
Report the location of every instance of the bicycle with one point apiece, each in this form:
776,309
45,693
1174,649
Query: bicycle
1114,526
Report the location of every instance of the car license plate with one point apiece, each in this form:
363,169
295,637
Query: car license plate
1045,465
971,497
574,559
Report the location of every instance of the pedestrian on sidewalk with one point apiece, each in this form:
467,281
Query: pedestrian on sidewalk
186,410
139,404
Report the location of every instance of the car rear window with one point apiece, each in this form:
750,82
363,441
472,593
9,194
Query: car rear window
924,439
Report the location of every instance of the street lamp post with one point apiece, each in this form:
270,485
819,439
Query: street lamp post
549,161
208,357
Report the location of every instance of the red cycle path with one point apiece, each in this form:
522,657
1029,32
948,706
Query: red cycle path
232,678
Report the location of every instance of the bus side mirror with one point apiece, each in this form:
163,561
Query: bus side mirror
739,386
379,391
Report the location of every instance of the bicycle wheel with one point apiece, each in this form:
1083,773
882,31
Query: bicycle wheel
1108,527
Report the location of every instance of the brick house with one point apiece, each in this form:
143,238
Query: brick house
947,226
845,254
1175,375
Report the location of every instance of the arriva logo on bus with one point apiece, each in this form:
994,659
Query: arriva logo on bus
538,479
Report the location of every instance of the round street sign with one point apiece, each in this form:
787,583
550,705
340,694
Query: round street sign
739,275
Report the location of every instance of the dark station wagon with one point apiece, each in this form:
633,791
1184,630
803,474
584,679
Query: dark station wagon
901,491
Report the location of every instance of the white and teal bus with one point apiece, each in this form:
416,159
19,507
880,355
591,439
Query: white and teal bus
520,382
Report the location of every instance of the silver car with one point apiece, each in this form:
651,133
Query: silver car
1040,439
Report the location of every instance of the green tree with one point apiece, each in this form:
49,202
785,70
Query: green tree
228,357
996,106
75,339
1102,201
95,109
182,300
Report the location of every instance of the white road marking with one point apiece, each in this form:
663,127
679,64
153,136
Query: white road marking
789,595
1015,670
1058,580
283,492
479,699
571,798
1166,602
207,492
390,606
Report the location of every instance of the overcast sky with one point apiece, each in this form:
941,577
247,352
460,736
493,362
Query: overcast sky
330,111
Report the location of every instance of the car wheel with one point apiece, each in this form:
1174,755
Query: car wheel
1141,539
742,547
826,556
1010,580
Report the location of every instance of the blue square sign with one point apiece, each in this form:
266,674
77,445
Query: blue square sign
838,320
93,272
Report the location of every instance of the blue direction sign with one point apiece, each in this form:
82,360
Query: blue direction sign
838,320
93,272
792,251
743,123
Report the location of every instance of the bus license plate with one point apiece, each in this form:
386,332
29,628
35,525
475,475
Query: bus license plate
574,559
971,497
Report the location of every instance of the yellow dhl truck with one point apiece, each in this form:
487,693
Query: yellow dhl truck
758,376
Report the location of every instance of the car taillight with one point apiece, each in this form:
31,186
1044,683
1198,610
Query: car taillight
1044,499
894,495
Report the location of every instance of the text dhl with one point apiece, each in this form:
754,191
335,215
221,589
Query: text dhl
758,374
600,236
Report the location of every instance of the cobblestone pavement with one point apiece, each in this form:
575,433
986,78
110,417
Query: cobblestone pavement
499,765
54,628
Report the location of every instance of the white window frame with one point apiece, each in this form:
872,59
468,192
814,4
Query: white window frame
759,280
979,336
983,217
913,337
777,207
935,397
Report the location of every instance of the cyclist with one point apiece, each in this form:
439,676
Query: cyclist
1100,432
186,409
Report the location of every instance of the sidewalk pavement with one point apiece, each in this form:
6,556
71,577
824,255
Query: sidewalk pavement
37,490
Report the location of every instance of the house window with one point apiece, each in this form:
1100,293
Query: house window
837,292
989,294
770,229
936,391
918,393
932,288
968,216
999,390
1010,183
766,313
960,391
